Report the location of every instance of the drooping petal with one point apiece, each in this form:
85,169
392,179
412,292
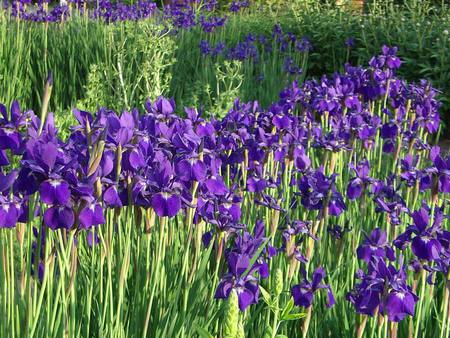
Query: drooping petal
6,181
426,248
166,205
302,296
216,186
9,215
248,295
55,192
91,215
398,305
111,197
354,188
223,289
256,185
421,218
58,217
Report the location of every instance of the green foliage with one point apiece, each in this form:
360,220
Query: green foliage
138,68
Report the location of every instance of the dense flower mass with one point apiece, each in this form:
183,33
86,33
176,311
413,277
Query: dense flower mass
105,9
383,288
253,47
260,185
179,14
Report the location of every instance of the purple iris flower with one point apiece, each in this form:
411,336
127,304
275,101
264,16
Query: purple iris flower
386,64
390,54
375,245
191,168
10,136
159,189
6,181
205,47
290,67
387,199
410,174
166,204
59,217
238,259
237,5
356,185
318,191
10,212
216,186
255,184
442,264
303,293
90,215
302,161
337,232
289,235
441,169
247,287
423,236
389,133
384,288
55,191
303,45
210,23
112,198
224,211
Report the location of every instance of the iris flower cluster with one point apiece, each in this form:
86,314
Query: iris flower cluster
179,14
279,163
252,47
104,10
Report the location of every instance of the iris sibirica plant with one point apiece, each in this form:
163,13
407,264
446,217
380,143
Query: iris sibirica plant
329,203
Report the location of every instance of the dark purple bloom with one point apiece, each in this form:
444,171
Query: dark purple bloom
392,60
441,169
241,275
216,186
90,215
166,204
356,185
10,136
55,192
6,181
111,197
205,47
388,199
255,184
318,191
375,245
9,213
384,288
247,286
303,293
423,236
191,169
337,232
59,217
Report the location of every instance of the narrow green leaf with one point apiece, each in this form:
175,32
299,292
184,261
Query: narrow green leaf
202,332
